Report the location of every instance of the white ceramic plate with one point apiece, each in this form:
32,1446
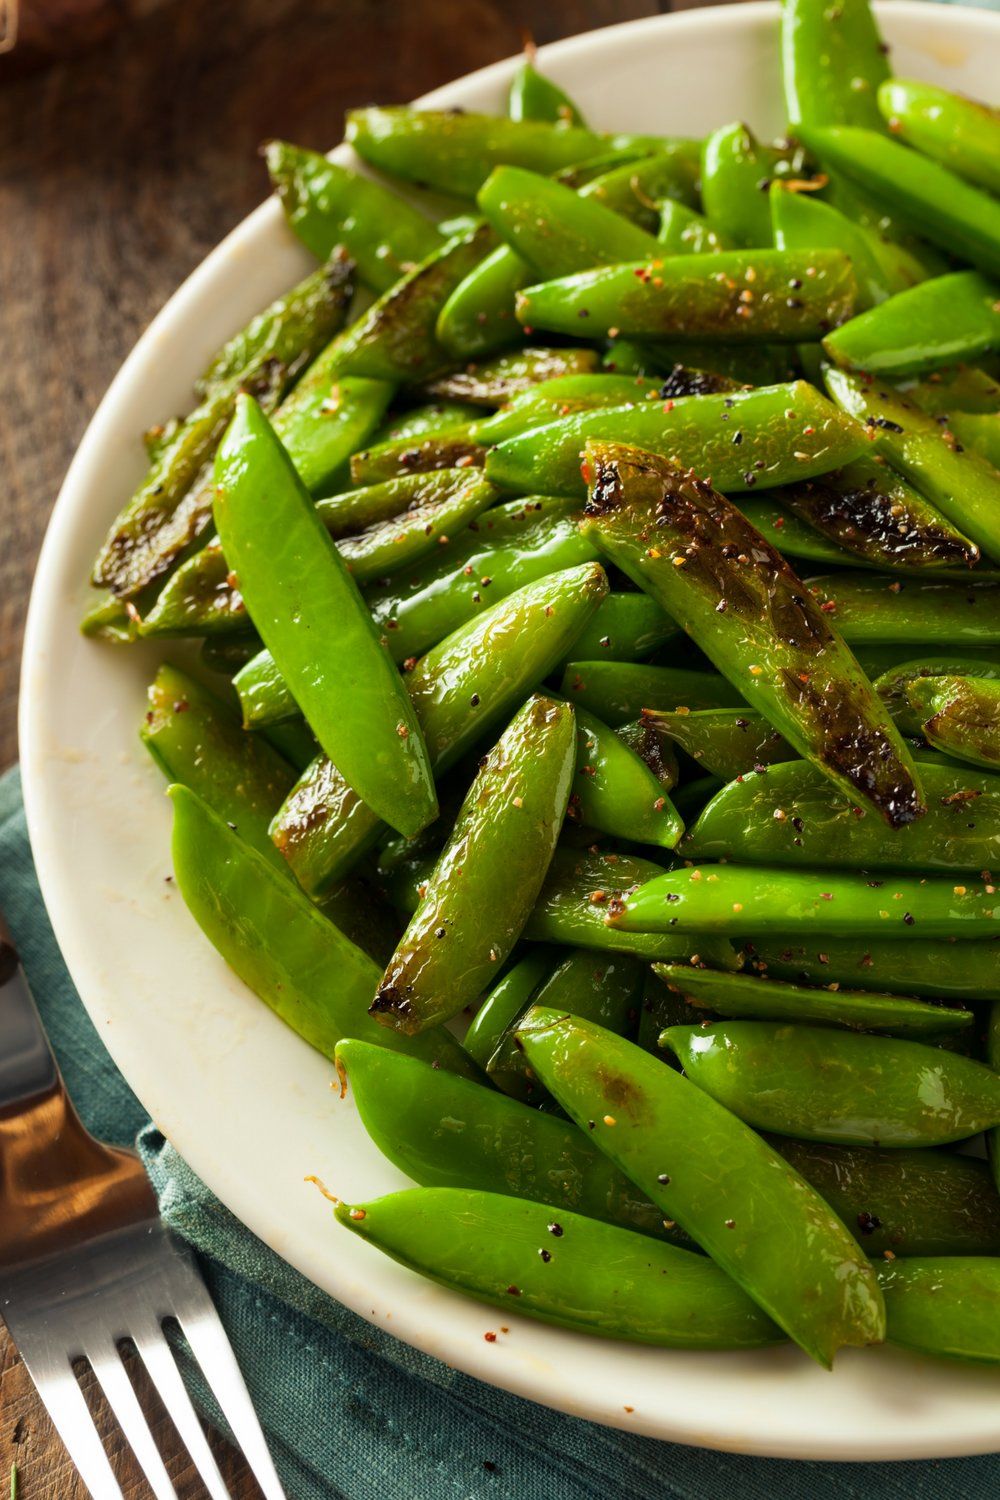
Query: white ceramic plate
243,1100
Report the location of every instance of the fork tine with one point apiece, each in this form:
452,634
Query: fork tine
158,1358
202,1327
106,1363
58,1388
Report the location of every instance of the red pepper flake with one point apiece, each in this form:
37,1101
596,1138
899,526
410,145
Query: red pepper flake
402,731
490,1338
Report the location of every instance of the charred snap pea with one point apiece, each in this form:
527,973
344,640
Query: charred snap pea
757,1218
486,880
761,296
352,511
769,638
960,715
786,432
626,627
554,230
802,222
777,1000
939,322
736,902
279,943
532,96
385,547
818,1084
961,133
620,692
173,505
654,748
456,447
832,63
446,1131
328,205
494,382
728,742
893,685
873,608
461,690
791,815
589,1276
614,790
948,1306
200,598
944,970
294,582
790,535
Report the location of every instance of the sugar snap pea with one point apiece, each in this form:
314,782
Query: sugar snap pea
803,222
873,608
626,627
960,133
562,396
352,511
945,969
772,642
943,321
552,228
786,432
505,1002
757,1218
818,1084
614,790
728,742
959,715
790,535
387,546
293,582
426,420
489,873
747,995
451,448
978,432
682,231
735,172
620,692
326,417
494,382
832,63
893,684
532,96
791,815
948,1306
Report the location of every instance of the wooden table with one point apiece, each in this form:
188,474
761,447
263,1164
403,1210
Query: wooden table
121,168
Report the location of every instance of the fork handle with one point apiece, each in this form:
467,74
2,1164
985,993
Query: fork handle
27,1066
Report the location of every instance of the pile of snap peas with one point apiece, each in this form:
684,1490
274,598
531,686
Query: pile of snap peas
593,743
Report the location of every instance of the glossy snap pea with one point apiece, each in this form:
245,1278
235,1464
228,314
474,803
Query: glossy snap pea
454,447
385,547
294,582
735,171
494,382
637,188
682,231
353,511
552,228
790,535
746,995
478,316
173,505
893,684
507,548
328,416
791,815
947,970
962,134
626,627
282,947
737,902
532,96
426,421
328,204
394,339
964,389
832,63
620,692
200,598
728,742
596,1278
614,790
817,1084
757,296
960,715
873,608
771,641
803,222
787,432
560,397
658,753
446,1131
943,321
961,219
757,1218
461,691
504,1003
948,1306
908,1202
489,873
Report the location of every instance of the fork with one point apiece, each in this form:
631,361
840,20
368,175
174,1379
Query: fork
86,1264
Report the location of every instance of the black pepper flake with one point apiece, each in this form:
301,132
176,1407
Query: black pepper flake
554,1228
439,932
663,1179
474,700
868,1223
546,1255
513,1291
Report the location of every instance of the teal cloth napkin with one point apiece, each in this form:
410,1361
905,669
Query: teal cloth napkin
350,1413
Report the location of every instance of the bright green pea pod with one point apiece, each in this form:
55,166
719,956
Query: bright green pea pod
461,691
979,432
684,232
894,230
907,1202
832,63
328,204
757,1218
961,133
456,152
791,815
619,692
744,903
426,421
485,883
790,535
626,627
572,393
948,1307
502,1006
939,322
196,739
172,507
494,382
532,96
280,945
786,433
818,1084
594,1278
960,715
294,583
478,316
893,684
394,339
636,189
874,608
446,1131
757,296
735,170
554,229
802,222
653,748
264,695
604,989
728,742
966,972
352,511
615,792
326,418
867,510
506,548
768,637
961,219
746,995
964,389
